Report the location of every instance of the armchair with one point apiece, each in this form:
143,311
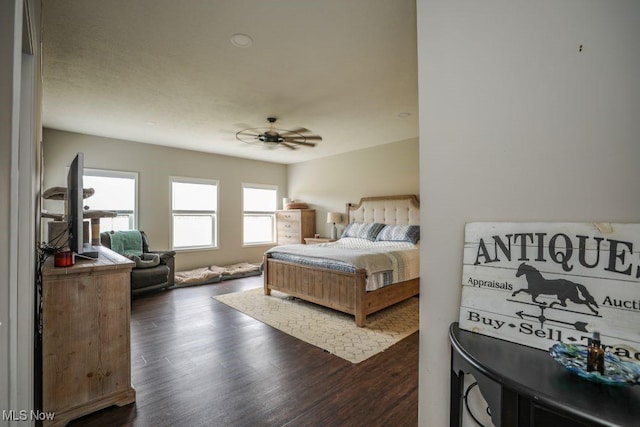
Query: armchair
144,277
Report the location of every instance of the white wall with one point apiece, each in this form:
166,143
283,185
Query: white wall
330,183
20,99
9,107
517,124
155,164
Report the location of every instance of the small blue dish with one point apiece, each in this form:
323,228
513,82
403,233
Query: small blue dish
616,371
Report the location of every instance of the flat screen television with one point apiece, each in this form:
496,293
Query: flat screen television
75,215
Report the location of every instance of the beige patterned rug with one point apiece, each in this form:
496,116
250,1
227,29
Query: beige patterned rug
328,329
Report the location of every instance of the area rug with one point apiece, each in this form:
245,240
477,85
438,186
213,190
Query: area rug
331,330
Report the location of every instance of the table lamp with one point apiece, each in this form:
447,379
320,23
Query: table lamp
332,218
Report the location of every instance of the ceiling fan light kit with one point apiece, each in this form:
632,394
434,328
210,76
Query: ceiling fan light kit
273,137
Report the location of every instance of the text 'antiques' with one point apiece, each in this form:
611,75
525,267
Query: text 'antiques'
540,283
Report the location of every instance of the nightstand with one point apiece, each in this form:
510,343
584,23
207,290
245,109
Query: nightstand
316,240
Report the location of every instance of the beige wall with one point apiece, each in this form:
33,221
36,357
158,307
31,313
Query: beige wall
516,124
155,164
328,184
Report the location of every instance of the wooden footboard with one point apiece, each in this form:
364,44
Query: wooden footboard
339,290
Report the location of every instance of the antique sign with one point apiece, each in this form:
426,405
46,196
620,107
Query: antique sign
539,283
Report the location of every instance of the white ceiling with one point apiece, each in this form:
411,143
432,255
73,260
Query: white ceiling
165,72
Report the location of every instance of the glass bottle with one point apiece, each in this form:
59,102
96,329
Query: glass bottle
595,355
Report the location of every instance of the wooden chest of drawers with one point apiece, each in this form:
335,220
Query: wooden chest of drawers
294,225
86,347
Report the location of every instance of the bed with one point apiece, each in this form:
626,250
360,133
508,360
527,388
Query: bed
316,274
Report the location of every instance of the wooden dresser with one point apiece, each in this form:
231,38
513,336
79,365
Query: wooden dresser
295,224
86,348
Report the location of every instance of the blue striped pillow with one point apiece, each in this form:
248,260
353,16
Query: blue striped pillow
362,230
399,233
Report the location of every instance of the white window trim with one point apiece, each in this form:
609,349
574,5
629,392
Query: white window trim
275,226
216,225
108,173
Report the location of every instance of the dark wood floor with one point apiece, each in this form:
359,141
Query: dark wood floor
197,362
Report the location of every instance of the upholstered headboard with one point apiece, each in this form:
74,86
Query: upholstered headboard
402,210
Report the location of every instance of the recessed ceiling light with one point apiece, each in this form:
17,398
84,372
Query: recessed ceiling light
404,114
241,40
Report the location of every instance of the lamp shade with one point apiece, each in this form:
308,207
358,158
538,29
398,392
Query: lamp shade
333,217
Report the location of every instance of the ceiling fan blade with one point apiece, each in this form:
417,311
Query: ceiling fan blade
249,136
312,137
297,131
307,144
303,138
248,133
298,139
288,145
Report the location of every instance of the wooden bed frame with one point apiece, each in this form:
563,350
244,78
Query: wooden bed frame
343,291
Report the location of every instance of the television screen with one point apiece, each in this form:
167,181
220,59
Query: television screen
75,195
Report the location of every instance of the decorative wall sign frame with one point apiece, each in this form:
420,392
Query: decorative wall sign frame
540,283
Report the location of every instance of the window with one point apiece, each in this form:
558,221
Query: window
259,205
114,191
194,205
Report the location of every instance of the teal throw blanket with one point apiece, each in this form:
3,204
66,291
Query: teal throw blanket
127,242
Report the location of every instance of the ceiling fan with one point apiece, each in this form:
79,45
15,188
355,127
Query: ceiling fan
272,137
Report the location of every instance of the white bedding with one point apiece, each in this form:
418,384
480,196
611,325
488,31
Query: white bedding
386,262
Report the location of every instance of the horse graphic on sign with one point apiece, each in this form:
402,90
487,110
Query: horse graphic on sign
563,289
